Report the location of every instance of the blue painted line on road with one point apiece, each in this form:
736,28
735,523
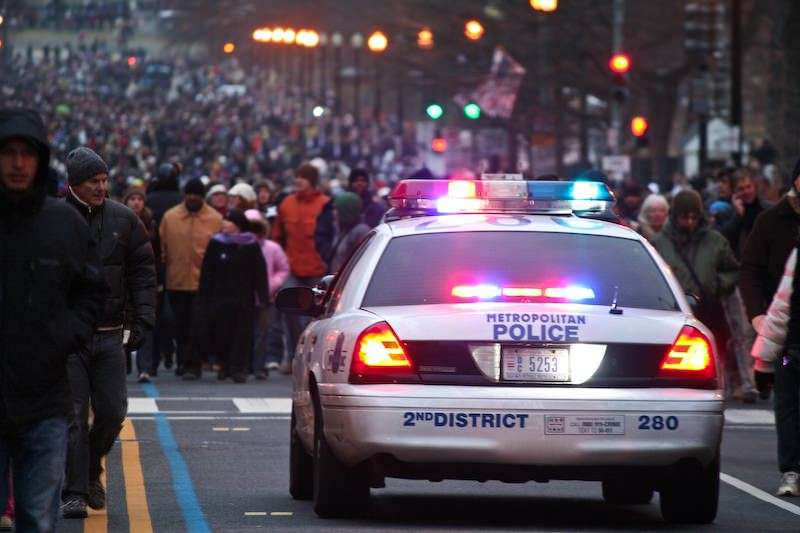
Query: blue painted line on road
181,480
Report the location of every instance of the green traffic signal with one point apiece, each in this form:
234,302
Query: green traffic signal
434,111
472,111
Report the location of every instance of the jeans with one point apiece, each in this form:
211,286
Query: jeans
275,336
296,324
96,375
37,452
742,337
260,338
787,413
163,342
144,355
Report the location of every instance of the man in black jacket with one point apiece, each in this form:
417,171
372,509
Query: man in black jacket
51,294
774,236
97,371
162,195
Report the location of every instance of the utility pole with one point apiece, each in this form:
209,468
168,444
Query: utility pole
618,22
736,78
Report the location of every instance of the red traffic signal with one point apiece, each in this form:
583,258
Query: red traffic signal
620,63
439,145
639,126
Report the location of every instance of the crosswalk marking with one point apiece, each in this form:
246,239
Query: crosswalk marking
142,406
283,406
263,405
750,416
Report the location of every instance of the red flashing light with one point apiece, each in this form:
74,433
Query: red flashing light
132,61
439,145
490,292
691,356
620,63
639,126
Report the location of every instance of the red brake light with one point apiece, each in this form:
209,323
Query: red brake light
691,356
378,352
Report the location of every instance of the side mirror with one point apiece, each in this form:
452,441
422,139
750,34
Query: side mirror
297,301
694,301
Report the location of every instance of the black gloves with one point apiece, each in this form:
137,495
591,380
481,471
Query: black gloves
136,338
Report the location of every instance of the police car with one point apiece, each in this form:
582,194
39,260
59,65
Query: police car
502,330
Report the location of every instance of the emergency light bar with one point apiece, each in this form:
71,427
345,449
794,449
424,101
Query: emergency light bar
511,196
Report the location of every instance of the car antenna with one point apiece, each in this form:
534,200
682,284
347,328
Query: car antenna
615,310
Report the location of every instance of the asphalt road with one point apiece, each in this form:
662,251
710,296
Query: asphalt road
212,456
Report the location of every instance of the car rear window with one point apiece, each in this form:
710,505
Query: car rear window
424,269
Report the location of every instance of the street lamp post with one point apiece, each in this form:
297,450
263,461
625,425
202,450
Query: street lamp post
337,40
357,41
377,43
323,69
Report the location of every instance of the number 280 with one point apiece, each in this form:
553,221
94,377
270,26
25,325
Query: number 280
657,423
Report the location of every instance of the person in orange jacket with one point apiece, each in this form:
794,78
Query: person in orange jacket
304,227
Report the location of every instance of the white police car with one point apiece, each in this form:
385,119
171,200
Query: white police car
500,330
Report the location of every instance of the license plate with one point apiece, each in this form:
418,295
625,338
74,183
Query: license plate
536,364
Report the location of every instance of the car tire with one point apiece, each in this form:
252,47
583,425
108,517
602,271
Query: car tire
301,466
693,496
619,492
339,491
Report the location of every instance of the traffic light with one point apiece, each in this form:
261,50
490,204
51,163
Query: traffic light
620,65
439,144
639,128
434,110
472,111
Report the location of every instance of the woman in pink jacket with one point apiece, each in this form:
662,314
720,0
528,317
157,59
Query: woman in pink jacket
277,272
777,360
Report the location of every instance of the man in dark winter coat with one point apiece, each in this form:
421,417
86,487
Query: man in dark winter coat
97,370
162,195
774,236
51,295
371,210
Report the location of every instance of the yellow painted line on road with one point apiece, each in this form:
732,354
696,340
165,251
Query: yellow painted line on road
135,494
281,513
97,522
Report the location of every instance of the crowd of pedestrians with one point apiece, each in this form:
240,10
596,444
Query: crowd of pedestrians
734,248
185,208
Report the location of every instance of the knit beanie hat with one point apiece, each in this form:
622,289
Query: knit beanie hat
348,208
238,218
687,201
195,186
82,164
133,191
308,172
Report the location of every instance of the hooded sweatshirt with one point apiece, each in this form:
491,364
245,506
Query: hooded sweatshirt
52,288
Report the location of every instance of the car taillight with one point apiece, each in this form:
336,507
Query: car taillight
690,357
379,356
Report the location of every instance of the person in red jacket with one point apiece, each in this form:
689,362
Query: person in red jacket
304,227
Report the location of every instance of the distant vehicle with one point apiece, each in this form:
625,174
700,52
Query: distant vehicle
490,330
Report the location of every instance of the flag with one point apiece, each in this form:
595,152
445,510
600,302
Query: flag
498,93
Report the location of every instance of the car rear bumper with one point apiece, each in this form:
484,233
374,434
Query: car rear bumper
539,427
